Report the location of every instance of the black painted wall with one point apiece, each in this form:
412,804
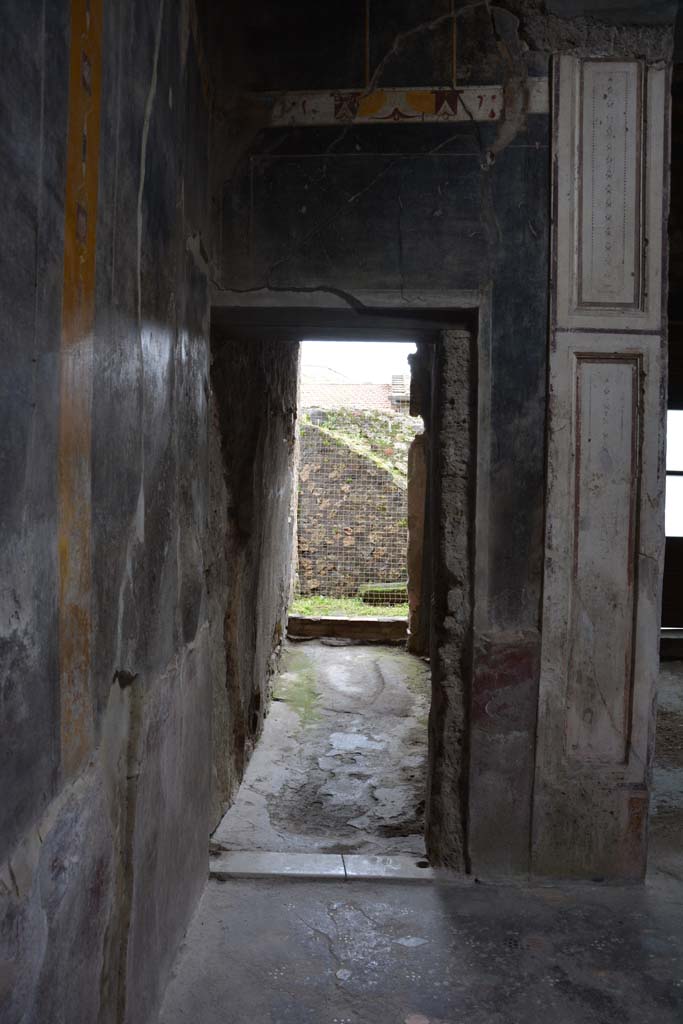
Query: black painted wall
99,873
34,59
249,543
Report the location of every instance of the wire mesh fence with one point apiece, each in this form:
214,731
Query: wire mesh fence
353,512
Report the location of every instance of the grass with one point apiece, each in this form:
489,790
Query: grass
362,448
382,437
345,608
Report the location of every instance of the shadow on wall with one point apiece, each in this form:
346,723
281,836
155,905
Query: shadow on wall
252,447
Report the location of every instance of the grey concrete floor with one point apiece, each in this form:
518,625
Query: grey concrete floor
340,767
279,952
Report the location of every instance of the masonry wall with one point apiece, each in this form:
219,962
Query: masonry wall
104,767
352,522
451,512
249,561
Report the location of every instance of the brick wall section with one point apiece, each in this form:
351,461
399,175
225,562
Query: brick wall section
352,519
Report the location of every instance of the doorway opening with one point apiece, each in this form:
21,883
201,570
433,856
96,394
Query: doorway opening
341,764
330,743
360,462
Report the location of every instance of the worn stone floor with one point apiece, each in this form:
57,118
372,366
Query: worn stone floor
666,809
340,767
278,951
285,952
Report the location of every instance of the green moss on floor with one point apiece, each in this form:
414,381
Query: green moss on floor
415,672
346,608
296,686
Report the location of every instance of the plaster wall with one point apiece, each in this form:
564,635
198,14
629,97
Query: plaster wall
453,459
252,439
606,434
417,500
105,803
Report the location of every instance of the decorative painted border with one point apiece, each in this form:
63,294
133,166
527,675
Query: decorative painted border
392,106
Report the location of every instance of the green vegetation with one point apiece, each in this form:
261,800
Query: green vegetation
384,438
382,593
415,671
345,608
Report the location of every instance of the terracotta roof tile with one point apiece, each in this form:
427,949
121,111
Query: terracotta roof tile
347,396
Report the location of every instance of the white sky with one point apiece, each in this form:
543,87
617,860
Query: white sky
361,362
674,484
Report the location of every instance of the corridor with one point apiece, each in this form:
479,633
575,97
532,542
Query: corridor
341,764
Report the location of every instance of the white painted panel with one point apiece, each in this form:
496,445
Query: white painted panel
610,135
606,445
602,580
605,470
609,244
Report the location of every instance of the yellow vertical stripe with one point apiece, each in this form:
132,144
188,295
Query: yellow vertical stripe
454,45
76,353
366,43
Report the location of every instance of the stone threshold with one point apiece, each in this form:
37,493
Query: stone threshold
333,866
670,644
376,629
